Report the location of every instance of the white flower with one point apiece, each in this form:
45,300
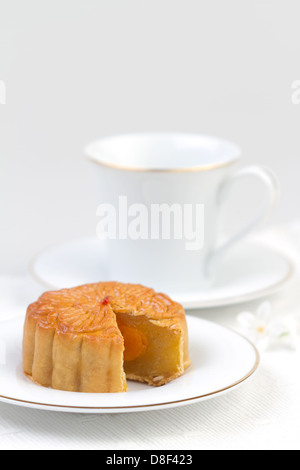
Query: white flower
263,329
297,322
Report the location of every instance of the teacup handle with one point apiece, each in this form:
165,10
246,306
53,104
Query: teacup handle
271,183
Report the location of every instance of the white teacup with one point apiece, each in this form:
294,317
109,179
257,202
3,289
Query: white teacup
144,179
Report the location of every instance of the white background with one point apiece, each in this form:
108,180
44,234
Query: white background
76,70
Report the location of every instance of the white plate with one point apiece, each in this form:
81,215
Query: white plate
222,360
250,272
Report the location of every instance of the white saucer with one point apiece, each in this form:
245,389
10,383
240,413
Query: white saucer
251,272
221,361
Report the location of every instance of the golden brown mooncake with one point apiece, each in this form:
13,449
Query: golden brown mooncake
90,338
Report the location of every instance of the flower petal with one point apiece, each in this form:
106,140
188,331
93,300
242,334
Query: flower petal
278,329
264,312
246,319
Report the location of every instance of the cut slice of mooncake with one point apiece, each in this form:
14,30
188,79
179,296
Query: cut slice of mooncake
90,338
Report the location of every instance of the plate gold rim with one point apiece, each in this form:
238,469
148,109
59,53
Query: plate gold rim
149,406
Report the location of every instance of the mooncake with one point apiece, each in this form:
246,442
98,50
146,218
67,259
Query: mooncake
94,337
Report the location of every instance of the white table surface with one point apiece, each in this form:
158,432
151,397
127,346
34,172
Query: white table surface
264,413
